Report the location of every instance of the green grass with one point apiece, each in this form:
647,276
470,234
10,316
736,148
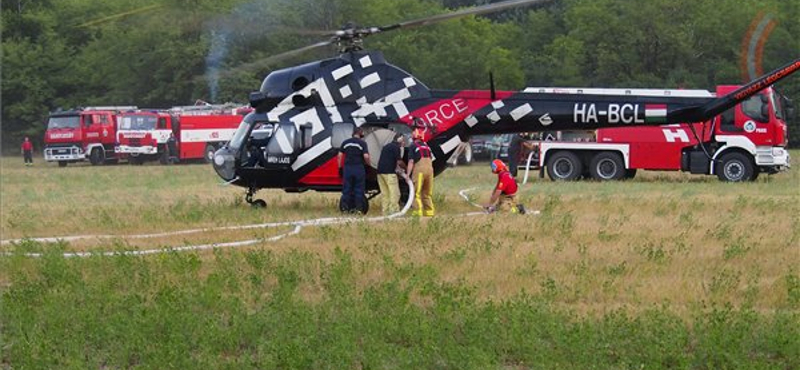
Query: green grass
248,310
669,271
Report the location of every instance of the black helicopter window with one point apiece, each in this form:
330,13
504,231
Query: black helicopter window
299,83
341,132
284,141
301,101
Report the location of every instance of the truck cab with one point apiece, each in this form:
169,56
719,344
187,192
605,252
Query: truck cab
75,135
176,134
143,135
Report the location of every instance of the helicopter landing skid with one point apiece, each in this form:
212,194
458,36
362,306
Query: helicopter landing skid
257,203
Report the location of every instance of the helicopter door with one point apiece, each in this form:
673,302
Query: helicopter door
376,140
284,144
341,132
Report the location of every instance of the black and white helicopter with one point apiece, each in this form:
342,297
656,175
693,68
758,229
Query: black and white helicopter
302,114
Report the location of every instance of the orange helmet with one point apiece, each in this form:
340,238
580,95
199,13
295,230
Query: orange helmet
498,166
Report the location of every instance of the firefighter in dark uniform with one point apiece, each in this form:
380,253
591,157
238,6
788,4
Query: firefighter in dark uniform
420,169
172,149
353,158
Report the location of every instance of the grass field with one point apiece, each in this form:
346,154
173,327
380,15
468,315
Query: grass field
666,271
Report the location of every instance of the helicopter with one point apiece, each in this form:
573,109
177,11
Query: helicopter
302,114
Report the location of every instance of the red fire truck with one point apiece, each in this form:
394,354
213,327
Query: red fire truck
737,145
76,135
193,132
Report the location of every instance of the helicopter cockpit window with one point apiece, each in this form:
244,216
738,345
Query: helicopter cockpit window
262,131
284,140
240,134
341,132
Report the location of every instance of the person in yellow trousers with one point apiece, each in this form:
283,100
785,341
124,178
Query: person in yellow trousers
420,169
389,165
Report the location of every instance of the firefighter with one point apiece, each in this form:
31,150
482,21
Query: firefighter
420,169
353,158
389,166
504,195
27,152
172,149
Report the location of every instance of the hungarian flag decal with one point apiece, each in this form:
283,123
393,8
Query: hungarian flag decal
655,113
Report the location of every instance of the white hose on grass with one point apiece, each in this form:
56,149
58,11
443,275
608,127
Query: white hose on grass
298,226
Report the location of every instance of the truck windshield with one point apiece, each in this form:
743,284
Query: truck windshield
64,122
137,122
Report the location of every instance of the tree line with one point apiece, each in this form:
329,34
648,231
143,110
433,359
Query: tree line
161,53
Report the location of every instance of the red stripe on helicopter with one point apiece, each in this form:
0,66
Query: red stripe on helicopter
446,113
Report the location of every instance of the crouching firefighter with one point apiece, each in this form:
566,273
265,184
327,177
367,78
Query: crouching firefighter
420,169
504,195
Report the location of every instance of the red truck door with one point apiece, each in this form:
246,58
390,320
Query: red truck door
98,128
752,119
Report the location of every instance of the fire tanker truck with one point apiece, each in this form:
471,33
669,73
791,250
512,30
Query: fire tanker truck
191,132
86,133
737,145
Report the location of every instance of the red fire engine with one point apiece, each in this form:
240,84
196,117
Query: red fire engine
183,133
75,135
736,146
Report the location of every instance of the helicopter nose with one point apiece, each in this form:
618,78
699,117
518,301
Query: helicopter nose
224,163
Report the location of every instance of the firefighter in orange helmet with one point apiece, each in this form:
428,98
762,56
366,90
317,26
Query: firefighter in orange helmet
420,170
504,195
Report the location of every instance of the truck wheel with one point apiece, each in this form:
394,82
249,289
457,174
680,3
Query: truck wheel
735,167
96,157
607,166
62,163
564,166
210,150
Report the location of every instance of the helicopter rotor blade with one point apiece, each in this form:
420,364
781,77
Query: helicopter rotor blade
290,53
274,58
357,33
484,9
